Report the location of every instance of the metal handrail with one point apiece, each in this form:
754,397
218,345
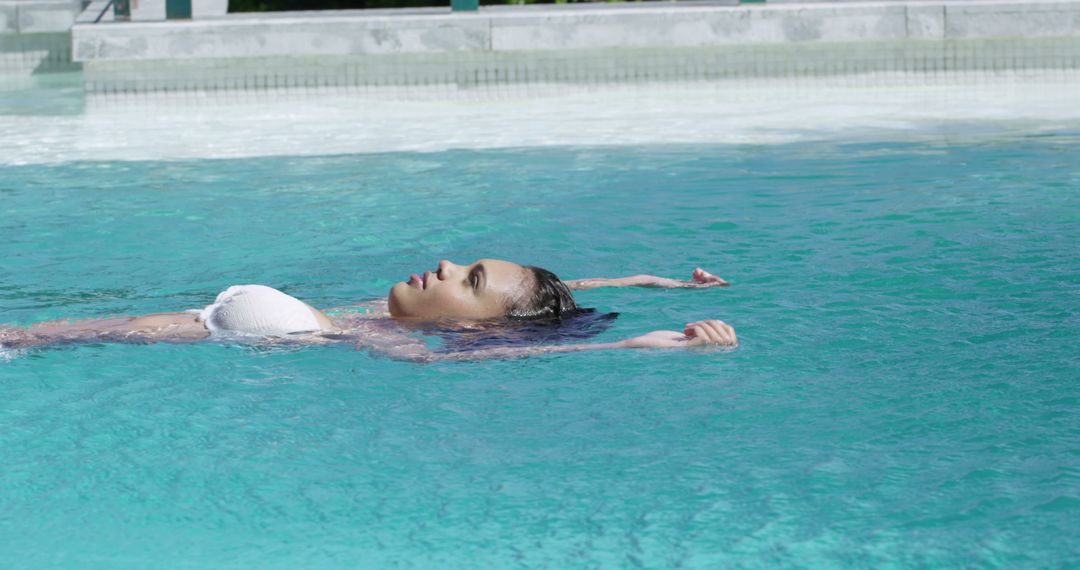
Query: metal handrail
102,14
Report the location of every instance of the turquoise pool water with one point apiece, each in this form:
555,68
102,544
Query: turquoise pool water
905,394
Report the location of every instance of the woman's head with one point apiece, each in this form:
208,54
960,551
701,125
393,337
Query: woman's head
484,289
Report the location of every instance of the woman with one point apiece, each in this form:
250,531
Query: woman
485,290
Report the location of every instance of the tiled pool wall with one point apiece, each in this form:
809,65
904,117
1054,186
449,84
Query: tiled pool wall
25,54
517,73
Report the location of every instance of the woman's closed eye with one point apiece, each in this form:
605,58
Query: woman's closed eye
475,277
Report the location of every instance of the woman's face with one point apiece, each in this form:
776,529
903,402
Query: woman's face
481,290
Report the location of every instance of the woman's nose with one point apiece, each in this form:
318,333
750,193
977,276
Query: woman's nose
445,267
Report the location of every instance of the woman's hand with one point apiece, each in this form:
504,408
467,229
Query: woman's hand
702,278
700,333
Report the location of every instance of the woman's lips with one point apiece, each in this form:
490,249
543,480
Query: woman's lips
420,281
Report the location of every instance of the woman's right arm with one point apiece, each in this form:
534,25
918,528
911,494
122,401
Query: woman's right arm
698,280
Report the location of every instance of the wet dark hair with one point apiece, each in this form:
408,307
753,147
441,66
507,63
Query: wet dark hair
516,332
546,313
548,298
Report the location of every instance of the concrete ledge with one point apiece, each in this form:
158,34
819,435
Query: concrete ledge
38,16
9,18
1018,19
686,26
34,35
285,37
555,28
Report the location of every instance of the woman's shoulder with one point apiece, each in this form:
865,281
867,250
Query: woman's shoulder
367,310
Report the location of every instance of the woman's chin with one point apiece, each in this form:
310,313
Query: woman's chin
394,302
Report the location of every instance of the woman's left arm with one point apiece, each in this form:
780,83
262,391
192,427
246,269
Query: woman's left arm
698,280
696,334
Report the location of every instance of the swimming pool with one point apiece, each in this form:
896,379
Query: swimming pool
905,393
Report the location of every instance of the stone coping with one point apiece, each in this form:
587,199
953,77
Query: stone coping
580,27
38,16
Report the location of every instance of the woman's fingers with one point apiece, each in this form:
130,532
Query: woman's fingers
702,334
718,331
727,334
699,334
711,332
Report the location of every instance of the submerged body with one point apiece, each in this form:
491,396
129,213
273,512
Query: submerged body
241,310
484,290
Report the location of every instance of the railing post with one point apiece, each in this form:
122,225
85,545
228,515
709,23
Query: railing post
464,5
177,9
